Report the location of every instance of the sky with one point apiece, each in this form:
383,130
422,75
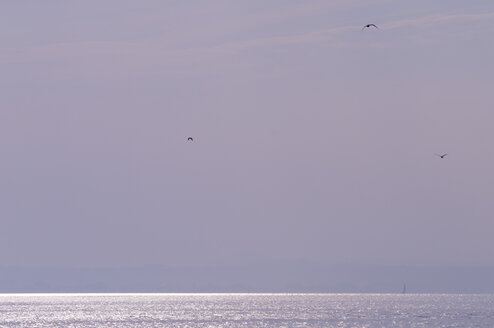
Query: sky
314,141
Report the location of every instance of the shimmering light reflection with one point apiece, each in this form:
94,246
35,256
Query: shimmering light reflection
245,310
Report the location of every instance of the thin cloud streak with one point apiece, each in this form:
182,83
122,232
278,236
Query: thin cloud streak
436,19
326,35
161,47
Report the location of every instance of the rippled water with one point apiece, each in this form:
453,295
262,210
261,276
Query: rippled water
245,310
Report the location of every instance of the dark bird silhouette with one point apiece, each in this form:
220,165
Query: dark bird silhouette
190,139
369,25
442,155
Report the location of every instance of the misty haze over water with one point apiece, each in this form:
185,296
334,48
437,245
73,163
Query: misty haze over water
268,277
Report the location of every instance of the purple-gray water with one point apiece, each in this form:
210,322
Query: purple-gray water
246,310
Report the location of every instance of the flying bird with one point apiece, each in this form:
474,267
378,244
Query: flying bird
190,139
369,25
442,155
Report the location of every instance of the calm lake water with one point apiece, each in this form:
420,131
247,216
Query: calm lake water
245,310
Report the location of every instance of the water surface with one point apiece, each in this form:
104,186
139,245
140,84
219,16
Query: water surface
245,310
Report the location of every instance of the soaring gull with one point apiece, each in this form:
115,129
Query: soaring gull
369,25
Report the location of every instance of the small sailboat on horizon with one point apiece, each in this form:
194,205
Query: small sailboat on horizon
404,291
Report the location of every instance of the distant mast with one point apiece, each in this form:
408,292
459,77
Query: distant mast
404,291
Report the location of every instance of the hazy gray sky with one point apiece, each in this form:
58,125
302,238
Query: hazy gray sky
313,140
